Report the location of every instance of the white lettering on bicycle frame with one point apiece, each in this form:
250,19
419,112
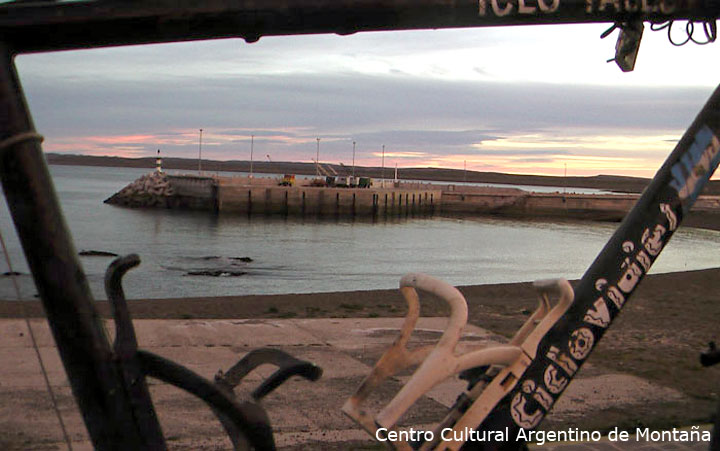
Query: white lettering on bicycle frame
630,278
670,215
562,360
522,417
696,165
598,314
653,241
644,260
582,340
581,343
554,381
501,8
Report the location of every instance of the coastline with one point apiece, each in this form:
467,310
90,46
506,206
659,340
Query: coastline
500,298
237,196
658,336
666,324
617,183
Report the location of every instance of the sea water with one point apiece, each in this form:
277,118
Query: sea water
260,255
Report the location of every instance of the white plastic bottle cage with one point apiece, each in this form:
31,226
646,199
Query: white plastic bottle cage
505,363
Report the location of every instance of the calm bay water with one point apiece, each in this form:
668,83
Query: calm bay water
307,255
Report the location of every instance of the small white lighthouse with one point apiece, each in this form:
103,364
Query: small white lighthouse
158,162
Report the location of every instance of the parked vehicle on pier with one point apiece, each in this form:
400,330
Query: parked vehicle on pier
343,181
288,180
364,182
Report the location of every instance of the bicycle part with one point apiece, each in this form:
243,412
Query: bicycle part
125,352
247,418
711,356
87,357
288,366
26,25
474,403
627,45
609,282
440,362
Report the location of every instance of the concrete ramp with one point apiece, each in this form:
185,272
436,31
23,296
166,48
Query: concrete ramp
305,415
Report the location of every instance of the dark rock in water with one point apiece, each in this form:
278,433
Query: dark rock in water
210,257
216,273
12,273
242,259
92,253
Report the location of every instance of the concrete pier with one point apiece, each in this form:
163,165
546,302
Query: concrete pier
509,202
242,195
264,196
325,201
604,207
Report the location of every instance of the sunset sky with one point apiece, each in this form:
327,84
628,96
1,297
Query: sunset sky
516,99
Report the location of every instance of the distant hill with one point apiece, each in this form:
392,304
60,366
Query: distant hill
606,182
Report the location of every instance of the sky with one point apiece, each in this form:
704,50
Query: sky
528,100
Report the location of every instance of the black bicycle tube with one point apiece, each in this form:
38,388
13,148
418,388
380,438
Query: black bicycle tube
611,279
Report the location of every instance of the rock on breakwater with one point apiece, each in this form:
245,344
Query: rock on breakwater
150,190
160,190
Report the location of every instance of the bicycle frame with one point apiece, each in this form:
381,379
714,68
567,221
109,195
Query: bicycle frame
95,377
103,23
611,279
522,386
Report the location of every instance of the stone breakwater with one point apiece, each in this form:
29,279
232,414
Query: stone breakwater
160,190
150,190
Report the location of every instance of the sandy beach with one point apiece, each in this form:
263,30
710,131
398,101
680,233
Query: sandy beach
658,336
655,343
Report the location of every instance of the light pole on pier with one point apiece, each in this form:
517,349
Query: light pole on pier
200,154
252,144
353,171
383,167
317,159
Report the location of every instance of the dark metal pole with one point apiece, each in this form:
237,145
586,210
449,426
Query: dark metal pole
252,145
59,278
28,25
383,166
611,279
200,154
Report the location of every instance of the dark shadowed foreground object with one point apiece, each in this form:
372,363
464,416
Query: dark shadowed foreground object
108,380
47,25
